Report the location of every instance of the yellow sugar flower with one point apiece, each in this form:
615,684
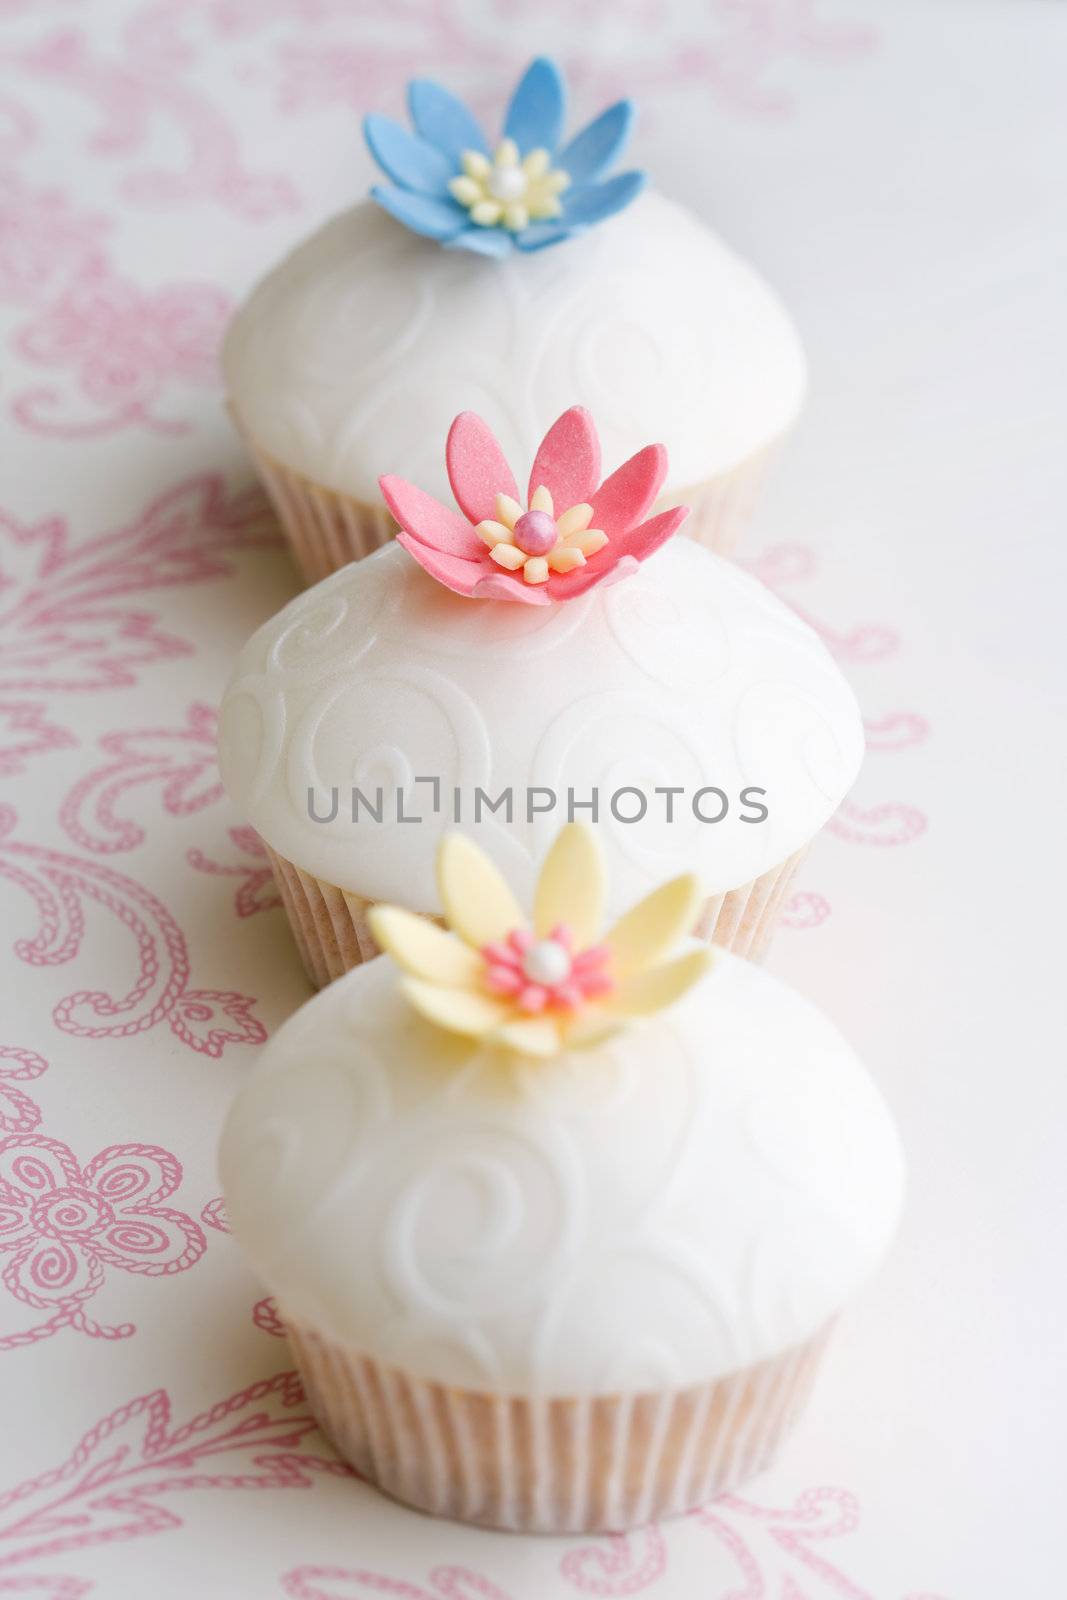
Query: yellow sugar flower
553,982
509,191
535,542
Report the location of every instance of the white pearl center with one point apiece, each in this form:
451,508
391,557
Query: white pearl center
546,962
507,183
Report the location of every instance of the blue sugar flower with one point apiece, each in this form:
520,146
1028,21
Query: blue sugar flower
448,185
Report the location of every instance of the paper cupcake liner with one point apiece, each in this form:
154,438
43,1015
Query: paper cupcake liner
326,529
333,934
598,1464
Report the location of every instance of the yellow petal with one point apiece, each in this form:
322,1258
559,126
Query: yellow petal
536,570
564,558
508,555
589,542
475,165
422,948
516,216
589,1029
541,500
458,1010
657,987
508,510
486,213
654,926
571,886
557,181
477,902
575,520
468,191
493,532
536,163
506,154
533,1036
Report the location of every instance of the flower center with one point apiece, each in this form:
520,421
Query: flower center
508,183
535,533
547,962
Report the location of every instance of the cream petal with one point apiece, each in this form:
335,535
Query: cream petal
541,500
536,570
516,216
477,901
589,541
508,510
458,1010
542,207
536,164
475,164
532,1036
564,558
590,1029
571,886
558,180
575,520
422,948
486,213
645,934
658,987
508,556
468,191
506,154
493,532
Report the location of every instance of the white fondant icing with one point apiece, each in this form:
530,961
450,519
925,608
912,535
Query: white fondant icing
700,1192
352,357
686,674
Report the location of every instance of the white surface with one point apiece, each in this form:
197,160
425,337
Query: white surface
896,169
702,1192
688,673
355,354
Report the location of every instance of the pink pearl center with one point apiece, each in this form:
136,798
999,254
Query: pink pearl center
535,533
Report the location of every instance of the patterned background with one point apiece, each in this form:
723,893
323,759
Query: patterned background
893,167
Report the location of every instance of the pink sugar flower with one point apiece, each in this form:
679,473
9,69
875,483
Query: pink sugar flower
574,533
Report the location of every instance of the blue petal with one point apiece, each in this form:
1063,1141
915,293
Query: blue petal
600,200
443,120
407,159
539,235
496,242
535,114
599,145
434,219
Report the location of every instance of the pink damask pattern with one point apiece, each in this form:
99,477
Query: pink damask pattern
256,889
63,889
125,1478
64,1226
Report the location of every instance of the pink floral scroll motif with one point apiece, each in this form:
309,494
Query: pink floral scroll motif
25,733
123,348
256,888
181,761
44,241
805,909
345,1583
266,1318
886,826
64,1226
213,1215
139,90
782,566
18,1113
68,618
62,888
123,1477
619,1564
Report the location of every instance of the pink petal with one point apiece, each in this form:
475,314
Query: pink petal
568,460
497,585
643,541
561,933
594,983
504,980
533,998
625,497
591,960
520,940
427,520
497,954
569,585
568,994
477,470
453,571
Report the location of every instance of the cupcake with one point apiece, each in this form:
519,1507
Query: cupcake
506,669
558,1220
512,277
